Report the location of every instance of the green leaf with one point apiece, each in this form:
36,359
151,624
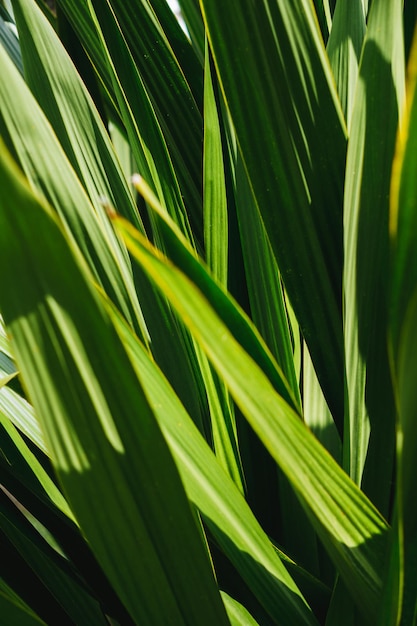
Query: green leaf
371,411
6,379
342,611
216,238
214,185
190,11
280,92
176,91
23,474
268,309
114,465
181,253
21,414
58,89
269,313
352,530
187,56
237,613
403,214
319,420
177,109
12,405
316,412
53,570
324,16
144,132
410,23
9,40
403,316
344,50
27,469
14,611
29,136
172,346
222,506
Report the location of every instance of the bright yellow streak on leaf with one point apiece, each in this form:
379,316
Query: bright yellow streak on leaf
397,165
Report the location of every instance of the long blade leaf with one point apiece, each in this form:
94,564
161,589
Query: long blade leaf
114,465
352,530
278,87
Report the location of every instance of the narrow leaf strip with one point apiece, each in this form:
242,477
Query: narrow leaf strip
366,206
264,283
9,40
344,50
6,379
28,469
237,613
214,186
216,249
403,343
53,570
14,611
66,102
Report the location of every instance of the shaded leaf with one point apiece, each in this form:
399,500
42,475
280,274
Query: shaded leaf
280,93
118,476
370,405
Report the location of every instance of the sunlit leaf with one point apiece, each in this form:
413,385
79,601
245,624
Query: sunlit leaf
118,476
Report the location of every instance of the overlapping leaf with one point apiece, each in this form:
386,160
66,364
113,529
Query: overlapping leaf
222,506
14,610
344,50
30,137
403,599
280,93
370,154
177,109
353,531
275,154
113,462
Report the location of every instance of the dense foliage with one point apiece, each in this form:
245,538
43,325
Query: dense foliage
208,297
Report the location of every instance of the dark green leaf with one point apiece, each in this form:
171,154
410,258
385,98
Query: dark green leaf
280,92
112,461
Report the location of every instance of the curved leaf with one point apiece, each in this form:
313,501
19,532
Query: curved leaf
352,530
223,508
30,137
113,463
